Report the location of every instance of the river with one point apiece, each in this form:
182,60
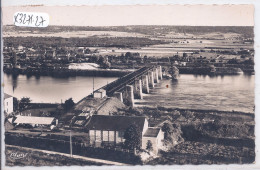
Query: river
225,93
190,92
46,89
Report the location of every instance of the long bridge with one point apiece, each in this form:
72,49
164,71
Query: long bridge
132,85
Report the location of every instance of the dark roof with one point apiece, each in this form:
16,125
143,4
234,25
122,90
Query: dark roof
152,132
87,103
115,123
6,96
111,105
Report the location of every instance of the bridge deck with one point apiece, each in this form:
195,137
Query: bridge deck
120,83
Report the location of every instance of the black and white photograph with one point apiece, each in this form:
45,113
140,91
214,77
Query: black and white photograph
125,85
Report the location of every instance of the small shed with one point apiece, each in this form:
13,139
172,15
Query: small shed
35,121
100,93
155,136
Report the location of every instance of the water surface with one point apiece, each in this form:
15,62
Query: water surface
190,92
203,92
46,89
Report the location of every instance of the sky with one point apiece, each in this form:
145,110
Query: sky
109,15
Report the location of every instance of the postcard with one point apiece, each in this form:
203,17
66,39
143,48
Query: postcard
126,85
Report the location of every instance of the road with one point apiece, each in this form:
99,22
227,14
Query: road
74,156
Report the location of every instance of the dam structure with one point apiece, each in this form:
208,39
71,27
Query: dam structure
131,86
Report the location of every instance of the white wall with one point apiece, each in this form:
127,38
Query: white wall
156,141
153,141
8,105
145,126
92,136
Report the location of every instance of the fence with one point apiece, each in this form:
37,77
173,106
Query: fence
82,149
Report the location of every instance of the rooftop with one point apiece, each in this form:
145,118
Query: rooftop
89,103
152,132
111,105
34,120
114,123
6,96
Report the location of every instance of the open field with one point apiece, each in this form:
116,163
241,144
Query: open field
80,34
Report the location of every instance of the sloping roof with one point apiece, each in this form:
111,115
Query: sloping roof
111,105
152,132
6,96
114,123
88,103
34,120
100,91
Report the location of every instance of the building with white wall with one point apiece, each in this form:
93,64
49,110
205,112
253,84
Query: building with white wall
8,103
104,129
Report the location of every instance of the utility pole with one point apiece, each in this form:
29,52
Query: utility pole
93,84
70,145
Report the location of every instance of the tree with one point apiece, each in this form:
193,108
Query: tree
101,60
13,59
249,62
15,104
145,58
232,61
68,104
156,113
106,64
87,51
132,137
149,145
128,55
24,103
167,128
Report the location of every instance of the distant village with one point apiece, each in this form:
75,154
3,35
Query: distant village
39,60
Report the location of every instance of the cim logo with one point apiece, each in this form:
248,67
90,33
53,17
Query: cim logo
16,155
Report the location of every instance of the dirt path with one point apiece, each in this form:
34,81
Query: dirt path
74,156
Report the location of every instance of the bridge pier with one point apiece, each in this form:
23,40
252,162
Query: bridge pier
156,78
129,96
145,84
138,93
160,72
151,79
119,96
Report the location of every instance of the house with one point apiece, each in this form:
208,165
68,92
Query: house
100,93
104,129
155,136
8,103
89,106
35,121
109,130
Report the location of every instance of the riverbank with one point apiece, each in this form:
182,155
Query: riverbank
210,136
67,72
217,71
119,71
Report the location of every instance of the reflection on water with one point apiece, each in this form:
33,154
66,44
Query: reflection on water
190,91
14,81
48,89
204,92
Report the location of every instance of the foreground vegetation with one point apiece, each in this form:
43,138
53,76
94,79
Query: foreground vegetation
35,158
207,136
